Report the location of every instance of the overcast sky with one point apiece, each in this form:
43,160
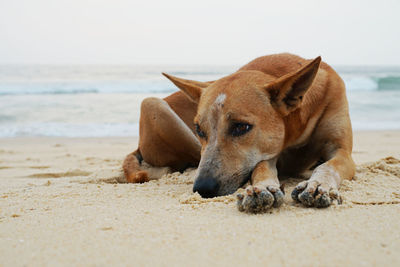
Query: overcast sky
197,32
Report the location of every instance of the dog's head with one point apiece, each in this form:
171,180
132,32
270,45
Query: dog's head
240,122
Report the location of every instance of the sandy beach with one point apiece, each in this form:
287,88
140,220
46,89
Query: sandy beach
62,202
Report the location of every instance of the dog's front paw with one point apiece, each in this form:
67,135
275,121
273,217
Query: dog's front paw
315,194
258,199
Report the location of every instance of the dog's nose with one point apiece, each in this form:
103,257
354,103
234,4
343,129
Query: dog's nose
206,187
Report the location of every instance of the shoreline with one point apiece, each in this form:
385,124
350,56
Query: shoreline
355,131
360,140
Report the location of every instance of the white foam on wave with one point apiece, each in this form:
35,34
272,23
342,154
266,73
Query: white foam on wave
55,129
105,100
360,83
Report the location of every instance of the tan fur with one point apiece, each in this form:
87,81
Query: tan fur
298,112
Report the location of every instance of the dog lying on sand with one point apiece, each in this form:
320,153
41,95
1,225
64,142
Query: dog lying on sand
278,115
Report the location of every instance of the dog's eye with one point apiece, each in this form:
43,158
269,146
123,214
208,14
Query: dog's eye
238,129
199,132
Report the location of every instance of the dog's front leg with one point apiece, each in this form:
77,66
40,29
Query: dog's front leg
322,188
264,191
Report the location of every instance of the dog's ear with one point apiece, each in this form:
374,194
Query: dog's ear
191,88
286,93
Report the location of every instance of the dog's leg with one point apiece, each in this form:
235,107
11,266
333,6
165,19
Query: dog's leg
131,167
136,171
165,141
264,191
334,140
322,188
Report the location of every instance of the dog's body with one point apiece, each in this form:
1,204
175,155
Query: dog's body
277,114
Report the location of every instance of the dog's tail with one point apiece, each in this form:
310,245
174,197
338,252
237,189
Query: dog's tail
131,167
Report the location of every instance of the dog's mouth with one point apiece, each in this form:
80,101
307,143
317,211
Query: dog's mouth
229,188
245,178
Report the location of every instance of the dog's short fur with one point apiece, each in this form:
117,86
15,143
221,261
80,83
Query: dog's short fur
277,114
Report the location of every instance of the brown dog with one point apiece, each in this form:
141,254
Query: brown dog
277,114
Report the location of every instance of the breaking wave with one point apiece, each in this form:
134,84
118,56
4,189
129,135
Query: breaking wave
372,83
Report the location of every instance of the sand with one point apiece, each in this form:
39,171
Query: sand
61,204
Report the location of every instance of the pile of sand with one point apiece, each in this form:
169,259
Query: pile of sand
375,183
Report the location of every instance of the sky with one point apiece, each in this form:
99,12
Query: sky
173,32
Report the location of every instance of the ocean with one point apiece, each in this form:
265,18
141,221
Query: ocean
100,101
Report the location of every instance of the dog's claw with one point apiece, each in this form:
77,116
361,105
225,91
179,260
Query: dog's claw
258,199
334,194
323,201
306,198
249,191
239,202
278,195
315,194
297,190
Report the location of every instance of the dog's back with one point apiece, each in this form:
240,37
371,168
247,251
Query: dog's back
279,64
327,85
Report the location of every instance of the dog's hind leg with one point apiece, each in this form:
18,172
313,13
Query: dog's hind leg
131,167
165,141
137,171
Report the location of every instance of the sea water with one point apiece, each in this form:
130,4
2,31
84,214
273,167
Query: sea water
84,101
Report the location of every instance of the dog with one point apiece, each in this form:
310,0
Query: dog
279,114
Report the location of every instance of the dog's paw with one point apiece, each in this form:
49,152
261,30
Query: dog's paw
138,177
315,194
259,199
